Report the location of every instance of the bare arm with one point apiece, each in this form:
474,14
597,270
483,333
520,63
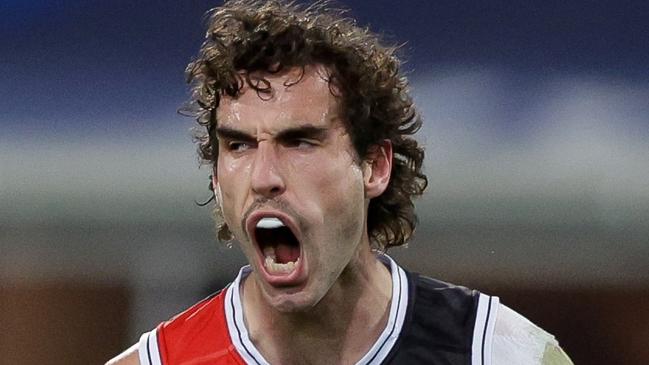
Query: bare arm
128,357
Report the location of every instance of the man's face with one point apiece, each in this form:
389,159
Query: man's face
291,188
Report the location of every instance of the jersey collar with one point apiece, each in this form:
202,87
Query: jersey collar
375,355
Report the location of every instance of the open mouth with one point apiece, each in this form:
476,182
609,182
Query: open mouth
279,246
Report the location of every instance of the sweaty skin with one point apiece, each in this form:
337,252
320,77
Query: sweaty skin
288,158
289,155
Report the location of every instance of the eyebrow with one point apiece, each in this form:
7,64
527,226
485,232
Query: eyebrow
305,131
233,134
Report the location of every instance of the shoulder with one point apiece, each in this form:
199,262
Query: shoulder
128,357
435,296
198,328
208,309
516,340
429,291
456,316
440,312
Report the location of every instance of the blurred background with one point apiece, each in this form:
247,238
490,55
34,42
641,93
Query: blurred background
537,139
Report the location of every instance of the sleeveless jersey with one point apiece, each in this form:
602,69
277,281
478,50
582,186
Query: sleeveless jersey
430,322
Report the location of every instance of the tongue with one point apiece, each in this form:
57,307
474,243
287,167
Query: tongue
285,253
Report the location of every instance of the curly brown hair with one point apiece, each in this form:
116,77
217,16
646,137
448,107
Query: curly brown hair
245,36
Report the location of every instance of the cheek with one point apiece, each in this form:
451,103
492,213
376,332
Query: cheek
232,175
333,190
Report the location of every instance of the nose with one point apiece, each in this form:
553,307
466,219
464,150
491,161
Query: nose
266,179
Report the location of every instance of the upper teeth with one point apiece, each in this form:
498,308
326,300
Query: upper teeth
269,223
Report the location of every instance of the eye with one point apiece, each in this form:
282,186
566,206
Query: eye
238,146
301,143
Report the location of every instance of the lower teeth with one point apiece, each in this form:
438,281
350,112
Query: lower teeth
273,266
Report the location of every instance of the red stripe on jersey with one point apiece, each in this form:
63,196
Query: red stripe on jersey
198,336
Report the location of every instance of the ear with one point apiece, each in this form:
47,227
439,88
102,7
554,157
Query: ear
377,168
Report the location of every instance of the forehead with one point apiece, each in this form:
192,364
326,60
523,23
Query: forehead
296,94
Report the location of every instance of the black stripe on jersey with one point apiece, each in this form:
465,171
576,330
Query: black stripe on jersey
148,348
239,330
484,332
394,325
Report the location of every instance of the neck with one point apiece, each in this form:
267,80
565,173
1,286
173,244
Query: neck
339,329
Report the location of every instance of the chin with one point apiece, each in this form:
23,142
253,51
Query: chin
288,303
